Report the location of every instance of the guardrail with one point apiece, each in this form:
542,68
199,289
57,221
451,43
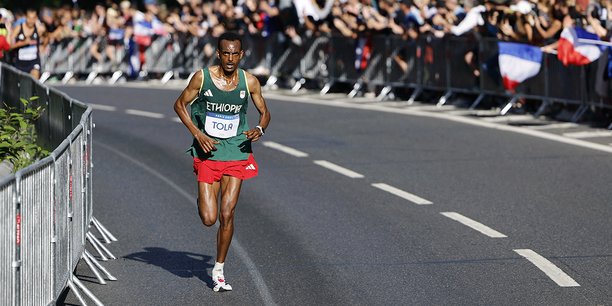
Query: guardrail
46,209
426,64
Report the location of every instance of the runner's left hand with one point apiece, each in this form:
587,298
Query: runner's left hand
253,134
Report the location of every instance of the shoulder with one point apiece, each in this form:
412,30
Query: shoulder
251,80
196,80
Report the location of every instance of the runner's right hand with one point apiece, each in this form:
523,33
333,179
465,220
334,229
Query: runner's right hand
206,143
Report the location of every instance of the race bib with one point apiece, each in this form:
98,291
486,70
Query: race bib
28,53
221,126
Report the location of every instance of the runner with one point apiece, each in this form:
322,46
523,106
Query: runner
25,40
222,139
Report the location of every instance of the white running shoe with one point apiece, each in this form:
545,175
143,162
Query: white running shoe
220,285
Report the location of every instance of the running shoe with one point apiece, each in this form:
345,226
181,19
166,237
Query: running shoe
220,285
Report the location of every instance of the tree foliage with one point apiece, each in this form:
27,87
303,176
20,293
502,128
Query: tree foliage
18,135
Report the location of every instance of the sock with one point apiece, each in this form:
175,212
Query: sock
217,270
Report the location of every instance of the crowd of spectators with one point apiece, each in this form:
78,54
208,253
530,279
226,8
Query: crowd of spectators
117,24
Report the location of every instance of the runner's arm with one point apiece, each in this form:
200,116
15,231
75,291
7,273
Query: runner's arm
260,103
189,94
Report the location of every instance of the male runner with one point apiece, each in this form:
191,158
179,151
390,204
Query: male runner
222,139
25,40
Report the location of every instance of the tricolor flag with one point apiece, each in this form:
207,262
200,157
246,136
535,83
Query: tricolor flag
518,62
571,51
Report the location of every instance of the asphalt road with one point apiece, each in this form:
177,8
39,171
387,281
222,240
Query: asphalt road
310,235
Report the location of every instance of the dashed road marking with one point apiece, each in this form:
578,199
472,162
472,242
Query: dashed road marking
102,107
549,268
553,126
141,113
338,169
474,224
284,149
588,134
177,119
402,194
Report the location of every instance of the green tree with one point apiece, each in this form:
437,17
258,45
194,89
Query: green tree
18,135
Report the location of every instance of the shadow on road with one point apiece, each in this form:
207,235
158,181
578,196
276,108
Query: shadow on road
181,264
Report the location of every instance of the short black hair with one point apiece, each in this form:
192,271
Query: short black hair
230,36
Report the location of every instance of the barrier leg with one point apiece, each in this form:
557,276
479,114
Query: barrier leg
76,292
101,280
415,95
508,106
543,108
95,240
326,88
44,76
116,76
444,98
384,93
101,227
477,101
298,85
97,264
86,291
167,77
67,77
579,113
356,90
104,236
92,241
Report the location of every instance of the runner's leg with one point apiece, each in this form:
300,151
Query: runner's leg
230,190
207,202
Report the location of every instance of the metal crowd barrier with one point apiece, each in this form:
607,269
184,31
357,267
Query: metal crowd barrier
46,209
426,64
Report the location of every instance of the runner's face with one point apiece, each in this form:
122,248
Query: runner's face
230,55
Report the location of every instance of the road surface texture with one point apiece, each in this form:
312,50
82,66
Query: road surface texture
356,204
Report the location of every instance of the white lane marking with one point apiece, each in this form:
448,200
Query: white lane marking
508,118
177,119
107,108
338,169
284,149
444,116
553,126
474,224
141,113
588,134
264,292
402,194
549,268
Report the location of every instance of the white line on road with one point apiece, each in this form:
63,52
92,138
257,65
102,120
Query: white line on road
474,224
438,115
549,268
258,279
553,126
402,194
508,118
588,134
107,108
177,119
141,113
339,169
284,149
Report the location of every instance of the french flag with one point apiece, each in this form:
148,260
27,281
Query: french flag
518,62
571,51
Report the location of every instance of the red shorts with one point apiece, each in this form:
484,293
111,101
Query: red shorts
210,171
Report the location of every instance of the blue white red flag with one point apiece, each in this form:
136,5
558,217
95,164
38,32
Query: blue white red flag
518,62
571,51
